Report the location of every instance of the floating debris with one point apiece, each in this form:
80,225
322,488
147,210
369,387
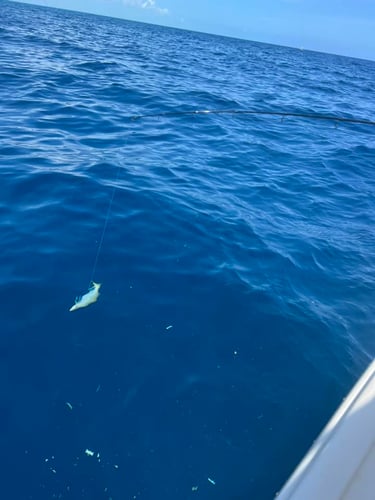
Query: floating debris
194,488
98,388
69,405
211,480
115,466
169,327
89,453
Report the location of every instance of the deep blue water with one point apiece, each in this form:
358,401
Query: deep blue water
252,236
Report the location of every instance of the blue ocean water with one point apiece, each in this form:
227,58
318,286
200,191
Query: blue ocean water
237,262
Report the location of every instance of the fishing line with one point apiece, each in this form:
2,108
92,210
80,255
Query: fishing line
93,289
282,114
105,224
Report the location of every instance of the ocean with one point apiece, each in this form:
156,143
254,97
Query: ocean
235,252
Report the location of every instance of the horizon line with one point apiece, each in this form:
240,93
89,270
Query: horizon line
302,49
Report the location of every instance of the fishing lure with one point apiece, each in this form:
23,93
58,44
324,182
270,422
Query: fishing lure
89,298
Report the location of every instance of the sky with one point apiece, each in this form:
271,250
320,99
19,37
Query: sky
344,27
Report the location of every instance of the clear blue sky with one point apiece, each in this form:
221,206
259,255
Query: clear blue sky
337,26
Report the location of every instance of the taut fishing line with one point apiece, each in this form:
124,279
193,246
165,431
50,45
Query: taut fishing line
105,224
93,289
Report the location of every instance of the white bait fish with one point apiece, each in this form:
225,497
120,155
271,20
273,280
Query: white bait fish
89,298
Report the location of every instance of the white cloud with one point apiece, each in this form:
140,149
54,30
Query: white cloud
146,4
